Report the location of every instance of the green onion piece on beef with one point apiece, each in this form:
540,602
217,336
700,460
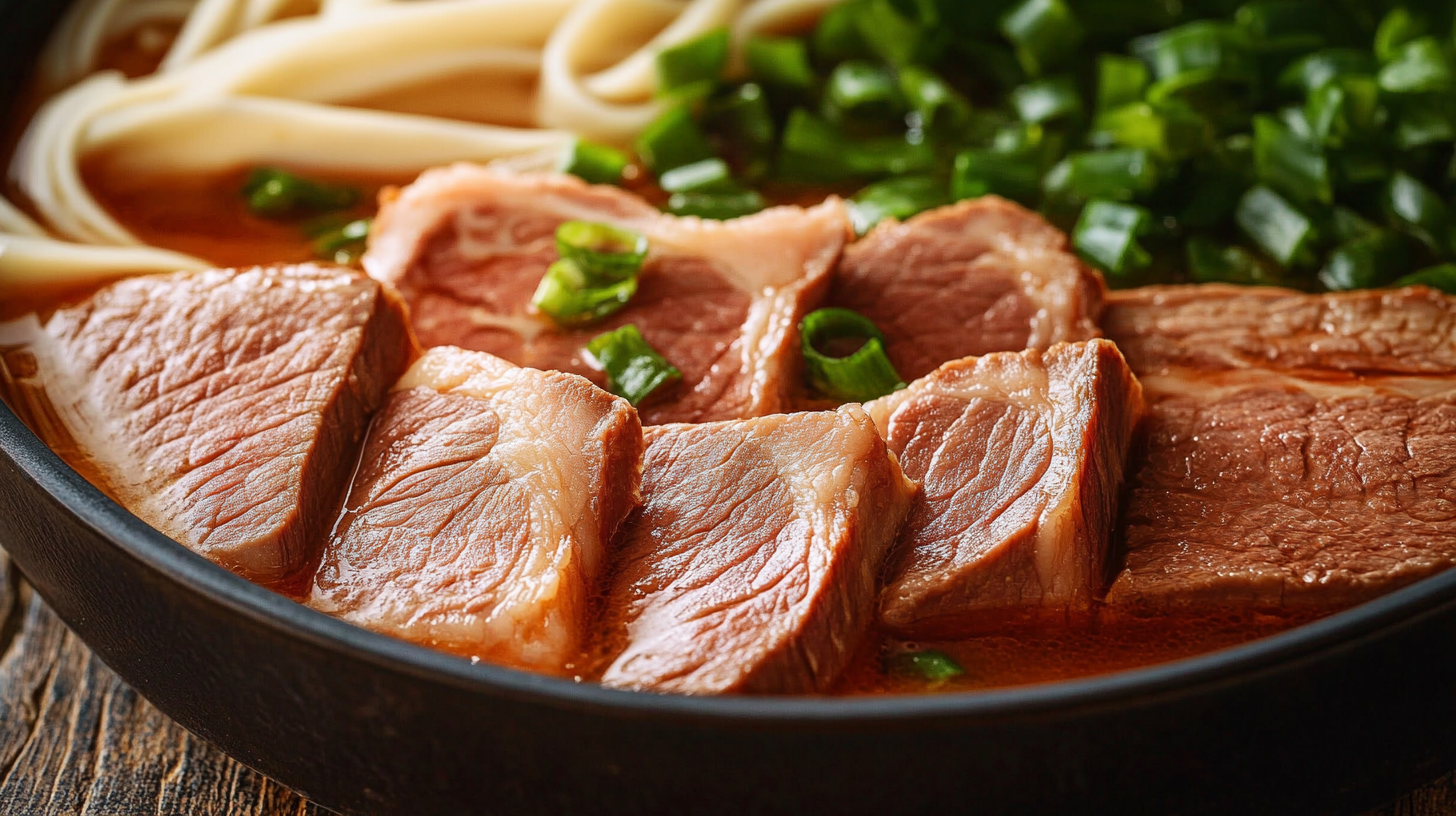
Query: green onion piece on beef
635,371
844,356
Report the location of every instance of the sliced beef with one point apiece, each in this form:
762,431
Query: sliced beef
1265,491
1020,458
977,277
1299,452
751,566
1215,327
226,407
721,301
483,506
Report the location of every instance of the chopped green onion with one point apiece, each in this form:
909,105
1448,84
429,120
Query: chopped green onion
859,376
1422,125
1047,100
1120,81
1174,132
706,176
1275,226
780,62
634,369
1119,175
607,254
672,140
345,244
1283,25
743,121
1289,164
275,193
716,206
1313,71
1365,262
932,666
1420,66
595,163
1212,262
1043,31
817,150
901,33
1346,225
572,297
837,36
1416,209
864,91
1359,166
895,198
697,61
989,172
1341,108
1441,277
1195,54
1397,28
936,103
1107,233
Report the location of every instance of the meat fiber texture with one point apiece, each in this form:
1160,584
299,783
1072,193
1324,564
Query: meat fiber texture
977,277
752,565
722,301
1300,451
483,507
1020,457
226,407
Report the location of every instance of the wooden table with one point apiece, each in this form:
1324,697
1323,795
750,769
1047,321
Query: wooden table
74,739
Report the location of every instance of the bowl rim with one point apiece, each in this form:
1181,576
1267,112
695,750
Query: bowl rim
195,574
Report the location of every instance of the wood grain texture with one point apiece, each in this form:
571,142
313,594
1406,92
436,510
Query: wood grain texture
76,741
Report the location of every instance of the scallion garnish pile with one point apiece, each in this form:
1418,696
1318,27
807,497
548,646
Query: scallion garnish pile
1290,142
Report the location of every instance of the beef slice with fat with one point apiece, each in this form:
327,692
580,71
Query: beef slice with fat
225,408
721,301
1219,327
1020,457
483,507
1299,452
977,277
752,565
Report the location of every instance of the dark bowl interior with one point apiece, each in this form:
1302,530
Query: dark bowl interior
1332,717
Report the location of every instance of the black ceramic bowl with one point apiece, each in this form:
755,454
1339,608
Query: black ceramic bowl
1333,717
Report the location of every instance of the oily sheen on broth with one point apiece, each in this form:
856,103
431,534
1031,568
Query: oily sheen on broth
1065,481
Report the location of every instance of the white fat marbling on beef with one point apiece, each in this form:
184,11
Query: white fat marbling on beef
1300,450
225,407
1020,458
977,277
480,516
722,301
751,566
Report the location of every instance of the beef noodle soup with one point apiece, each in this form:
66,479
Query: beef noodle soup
754,346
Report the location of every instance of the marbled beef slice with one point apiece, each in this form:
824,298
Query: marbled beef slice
226,408
977,277
482,511
1020,457
752,565
722,301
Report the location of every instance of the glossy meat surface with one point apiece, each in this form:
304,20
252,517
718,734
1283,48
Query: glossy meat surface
225,408
485,500
1262,490
751,566
1218,327
1020,457
977,277
1299,452
722,301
